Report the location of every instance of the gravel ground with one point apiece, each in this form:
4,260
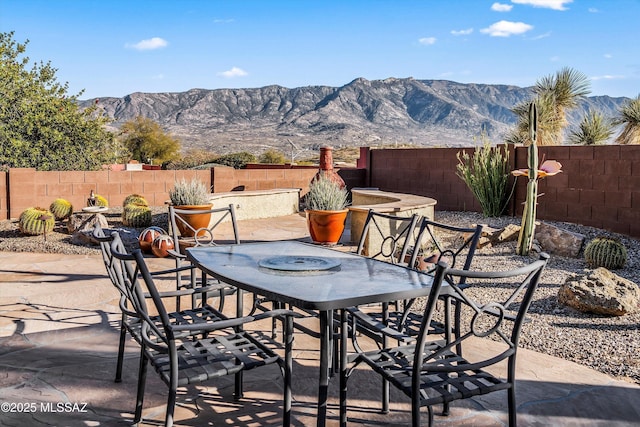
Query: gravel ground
608,344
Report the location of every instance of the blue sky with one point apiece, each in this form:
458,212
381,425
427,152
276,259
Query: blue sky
114,48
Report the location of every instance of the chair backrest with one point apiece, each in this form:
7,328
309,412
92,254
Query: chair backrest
494,307
387,237
187,235
442,242
129,268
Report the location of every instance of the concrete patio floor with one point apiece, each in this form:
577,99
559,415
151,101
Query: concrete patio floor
58,346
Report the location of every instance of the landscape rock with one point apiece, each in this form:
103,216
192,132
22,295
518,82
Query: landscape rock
600,291
81,226
556,241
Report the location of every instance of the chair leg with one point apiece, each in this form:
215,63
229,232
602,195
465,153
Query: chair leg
142,378
288,369
511,399
173,389
123,337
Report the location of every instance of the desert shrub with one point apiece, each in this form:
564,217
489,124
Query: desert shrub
236,160
486,173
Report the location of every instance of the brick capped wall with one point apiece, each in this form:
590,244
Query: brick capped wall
28,187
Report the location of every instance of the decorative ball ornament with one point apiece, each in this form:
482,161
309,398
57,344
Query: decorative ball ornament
147,237
161,245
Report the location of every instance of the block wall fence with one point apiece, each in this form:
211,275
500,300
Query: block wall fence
599,186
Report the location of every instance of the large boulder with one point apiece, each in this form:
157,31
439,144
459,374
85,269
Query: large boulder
557,241
600,291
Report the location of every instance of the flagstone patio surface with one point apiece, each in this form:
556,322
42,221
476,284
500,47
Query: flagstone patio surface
58,345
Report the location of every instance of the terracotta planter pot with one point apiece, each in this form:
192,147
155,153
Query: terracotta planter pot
326,227
196,221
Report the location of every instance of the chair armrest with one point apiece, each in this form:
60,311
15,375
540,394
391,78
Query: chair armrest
173,270
175,254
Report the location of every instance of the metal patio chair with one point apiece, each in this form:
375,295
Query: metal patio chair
130,321
184,354
185,236
433,372
433,242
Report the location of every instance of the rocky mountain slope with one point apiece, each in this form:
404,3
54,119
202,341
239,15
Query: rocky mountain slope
363,112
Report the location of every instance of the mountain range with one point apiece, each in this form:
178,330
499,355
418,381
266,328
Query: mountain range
363,112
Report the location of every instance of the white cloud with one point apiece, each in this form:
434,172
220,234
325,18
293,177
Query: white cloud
542,36
500,7
554,59
427,41
223,21
506,29
149,44
607,77
462,32
608,55
548,4
158,77
233,72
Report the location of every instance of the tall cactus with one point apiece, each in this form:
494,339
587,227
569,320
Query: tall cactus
525,239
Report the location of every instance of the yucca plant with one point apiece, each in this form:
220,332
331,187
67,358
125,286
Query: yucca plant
189,193
594,129
486,173
630,118
326,195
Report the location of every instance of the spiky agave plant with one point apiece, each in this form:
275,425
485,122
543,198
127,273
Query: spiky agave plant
326,195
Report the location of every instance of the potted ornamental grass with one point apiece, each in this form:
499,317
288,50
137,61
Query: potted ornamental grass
326,212
191,195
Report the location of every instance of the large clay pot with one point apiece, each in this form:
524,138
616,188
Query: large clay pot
326,227
196,221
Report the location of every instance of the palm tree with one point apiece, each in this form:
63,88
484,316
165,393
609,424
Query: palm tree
554,95
630,118
594,129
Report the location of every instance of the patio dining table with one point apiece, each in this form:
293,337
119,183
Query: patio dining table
311,277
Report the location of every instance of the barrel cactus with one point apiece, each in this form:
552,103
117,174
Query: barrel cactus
97,200
137,216
135,199
605,252
36,221
61,209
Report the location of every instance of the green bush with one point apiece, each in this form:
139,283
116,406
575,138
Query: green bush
486,173
236,160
